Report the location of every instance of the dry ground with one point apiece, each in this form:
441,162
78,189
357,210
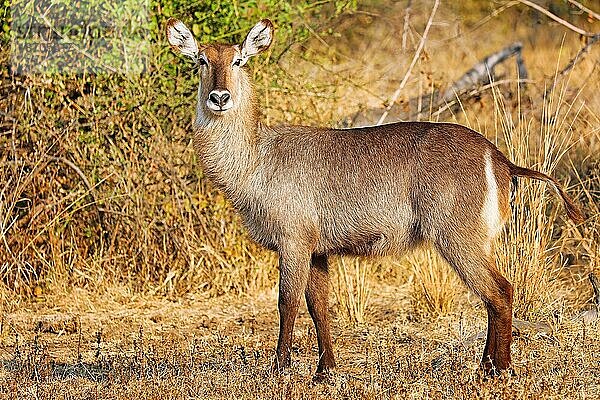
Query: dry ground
124,346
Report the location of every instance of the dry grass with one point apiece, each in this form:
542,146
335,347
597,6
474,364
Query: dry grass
223,348
105,217
436,288
527,257
352,289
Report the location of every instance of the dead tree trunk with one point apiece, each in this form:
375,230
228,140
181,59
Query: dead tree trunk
480,74
483,72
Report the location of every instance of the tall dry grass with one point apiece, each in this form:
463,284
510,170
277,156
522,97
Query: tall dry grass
526,257
104,191
352,288
436,288
99,184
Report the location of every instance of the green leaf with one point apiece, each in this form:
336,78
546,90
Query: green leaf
196,29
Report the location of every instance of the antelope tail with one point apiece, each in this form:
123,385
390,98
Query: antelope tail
572,210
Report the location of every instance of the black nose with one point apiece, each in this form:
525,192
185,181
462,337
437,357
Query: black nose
221,99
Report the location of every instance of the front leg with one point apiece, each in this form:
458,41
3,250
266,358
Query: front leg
317,300
294,267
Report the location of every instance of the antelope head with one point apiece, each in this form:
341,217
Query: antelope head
224,83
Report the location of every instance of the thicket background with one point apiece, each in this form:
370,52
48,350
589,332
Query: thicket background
99,183
99,186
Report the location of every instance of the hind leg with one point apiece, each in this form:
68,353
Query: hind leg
475,264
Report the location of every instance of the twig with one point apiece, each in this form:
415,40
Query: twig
479,23
335,72
596,286
88,185
584,8
478,91
412,64
574,61
556,18
406,25
578,57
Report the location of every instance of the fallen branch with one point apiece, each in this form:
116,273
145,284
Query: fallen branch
468,85
592,314
482,72
476,92
519,328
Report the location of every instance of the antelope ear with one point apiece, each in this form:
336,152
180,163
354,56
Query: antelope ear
181,39
258,39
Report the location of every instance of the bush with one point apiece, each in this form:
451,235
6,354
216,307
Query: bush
99,185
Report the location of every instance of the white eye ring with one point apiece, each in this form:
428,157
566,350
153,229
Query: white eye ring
237,62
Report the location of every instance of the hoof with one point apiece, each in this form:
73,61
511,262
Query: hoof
321,377
491,372
278,368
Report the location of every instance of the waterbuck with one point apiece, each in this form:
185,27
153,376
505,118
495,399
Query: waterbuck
309,193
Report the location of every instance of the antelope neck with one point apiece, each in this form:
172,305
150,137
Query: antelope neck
227,146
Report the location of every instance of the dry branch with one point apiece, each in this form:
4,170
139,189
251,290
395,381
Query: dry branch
476,92
556,18
579,56
412,64
482,72
585,9
481,22
405,29
519,328
574,61
592,314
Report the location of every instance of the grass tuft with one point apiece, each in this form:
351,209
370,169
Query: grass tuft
436,287
352,289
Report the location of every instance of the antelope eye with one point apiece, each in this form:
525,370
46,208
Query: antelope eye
202,61
237,62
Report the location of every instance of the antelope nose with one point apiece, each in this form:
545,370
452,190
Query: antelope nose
219,98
